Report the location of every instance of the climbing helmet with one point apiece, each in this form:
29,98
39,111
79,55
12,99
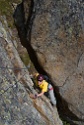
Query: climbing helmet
40,77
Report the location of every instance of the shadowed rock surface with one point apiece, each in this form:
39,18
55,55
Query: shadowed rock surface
55,30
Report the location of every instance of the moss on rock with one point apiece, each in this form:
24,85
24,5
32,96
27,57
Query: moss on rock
6,9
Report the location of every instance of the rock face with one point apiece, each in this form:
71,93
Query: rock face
57,37
16,106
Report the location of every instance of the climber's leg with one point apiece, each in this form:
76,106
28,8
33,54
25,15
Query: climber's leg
51,94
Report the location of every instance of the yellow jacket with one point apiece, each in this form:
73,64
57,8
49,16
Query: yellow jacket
43,86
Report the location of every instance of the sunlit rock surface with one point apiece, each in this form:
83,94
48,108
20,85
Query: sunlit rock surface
16,106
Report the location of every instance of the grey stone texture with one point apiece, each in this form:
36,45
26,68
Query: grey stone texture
16,106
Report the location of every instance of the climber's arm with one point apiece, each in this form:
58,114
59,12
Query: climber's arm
40,94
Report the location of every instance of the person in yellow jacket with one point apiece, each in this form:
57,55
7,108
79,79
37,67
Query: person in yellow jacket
44,87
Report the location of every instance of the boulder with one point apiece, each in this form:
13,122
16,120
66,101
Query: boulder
57,37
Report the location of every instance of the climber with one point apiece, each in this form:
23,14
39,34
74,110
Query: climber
45,87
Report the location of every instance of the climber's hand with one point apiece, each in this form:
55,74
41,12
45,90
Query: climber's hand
36,96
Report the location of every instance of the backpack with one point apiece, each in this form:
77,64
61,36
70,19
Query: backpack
46,78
